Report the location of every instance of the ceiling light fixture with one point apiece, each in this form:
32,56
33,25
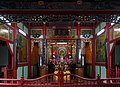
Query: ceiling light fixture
100,32
22,32
79,2
61,43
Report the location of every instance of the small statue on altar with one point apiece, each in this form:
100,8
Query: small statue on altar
61,58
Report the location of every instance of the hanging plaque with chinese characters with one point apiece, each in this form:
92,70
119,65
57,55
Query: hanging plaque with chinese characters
61,32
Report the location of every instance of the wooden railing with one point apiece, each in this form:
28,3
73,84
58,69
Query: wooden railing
115,72
60,80
8,73
11,82
44,81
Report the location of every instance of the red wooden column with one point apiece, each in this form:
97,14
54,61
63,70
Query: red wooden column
14,60
108,60
5,72
93,54
29,51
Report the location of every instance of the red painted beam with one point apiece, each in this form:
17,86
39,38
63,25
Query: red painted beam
60,38
108,37
59,12
22,64
100,64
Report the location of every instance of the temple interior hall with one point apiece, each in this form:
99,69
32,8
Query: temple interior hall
43,38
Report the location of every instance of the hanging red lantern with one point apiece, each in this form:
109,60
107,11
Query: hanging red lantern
69,52
54,52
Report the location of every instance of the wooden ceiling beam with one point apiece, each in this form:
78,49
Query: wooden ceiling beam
59,12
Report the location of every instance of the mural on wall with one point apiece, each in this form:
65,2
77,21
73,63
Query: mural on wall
4,31
116,31
111,33
11,34
100,48
22,49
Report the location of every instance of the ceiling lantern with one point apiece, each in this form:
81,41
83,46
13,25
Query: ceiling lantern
79,2
40,3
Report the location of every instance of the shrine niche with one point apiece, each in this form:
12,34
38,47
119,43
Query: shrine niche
67,48
6,32
61,54
61,51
